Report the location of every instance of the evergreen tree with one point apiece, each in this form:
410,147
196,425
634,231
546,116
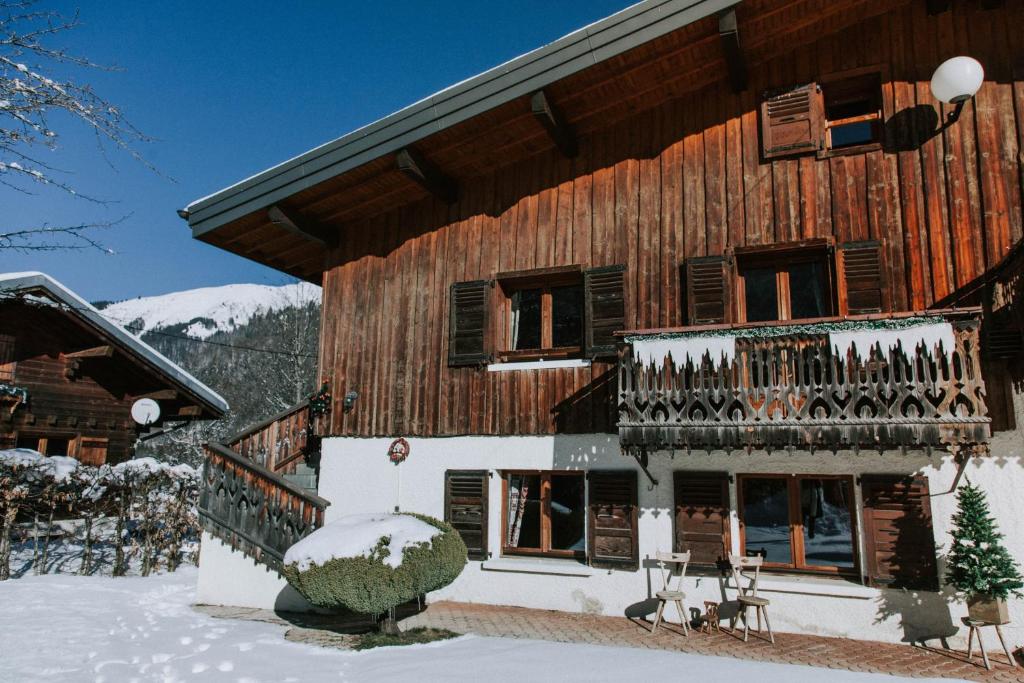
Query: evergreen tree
979,564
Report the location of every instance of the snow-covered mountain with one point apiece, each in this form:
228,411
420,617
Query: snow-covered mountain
200,313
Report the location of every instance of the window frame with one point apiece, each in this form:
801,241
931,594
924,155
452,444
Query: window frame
544,279
796,527
878,116
8,358
779,258
545,516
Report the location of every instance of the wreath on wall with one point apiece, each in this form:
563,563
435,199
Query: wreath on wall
398,451
320,402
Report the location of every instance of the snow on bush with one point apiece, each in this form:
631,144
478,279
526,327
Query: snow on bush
155,498
373,563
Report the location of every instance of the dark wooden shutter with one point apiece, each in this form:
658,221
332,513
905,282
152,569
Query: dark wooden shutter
465,508
792,121
707,290
702,515
612,520
604,310
467,325
898,537
863,284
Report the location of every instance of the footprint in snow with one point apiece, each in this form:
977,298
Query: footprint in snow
161,657
199,667
244,647
226,666
185,640
203,647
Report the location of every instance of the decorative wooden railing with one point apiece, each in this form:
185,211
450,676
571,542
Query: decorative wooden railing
280,442
254,509
795,391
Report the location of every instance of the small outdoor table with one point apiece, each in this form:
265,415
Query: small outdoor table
975,627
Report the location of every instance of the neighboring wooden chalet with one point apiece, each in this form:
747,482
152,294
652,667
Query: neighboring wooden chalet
683,279
69,376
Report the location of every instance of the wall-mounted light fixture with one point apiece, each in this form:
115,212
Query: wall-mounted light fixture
956,81
349,401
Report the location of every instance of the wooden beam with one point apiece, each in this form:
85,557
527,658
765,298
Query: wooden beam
300,226
161,395
554,123
105,351
937,6
189,411
422,172
729,35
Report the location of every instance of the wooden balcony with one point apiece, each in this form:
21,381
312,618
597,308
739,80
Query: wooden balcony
787,386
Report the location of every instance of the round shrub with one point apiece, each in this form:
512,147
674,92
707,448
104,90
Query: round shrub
370,586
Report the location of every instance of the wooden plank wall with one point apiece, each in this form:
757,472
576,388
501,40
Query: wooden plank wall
676,181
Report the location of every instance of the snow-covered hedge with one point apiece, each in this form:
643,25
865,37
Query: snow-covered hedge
155,499
373,563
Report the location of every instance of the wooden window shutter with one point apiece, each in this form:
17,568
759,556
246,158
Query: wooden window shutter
7,363
604,309
702,516
465,508
792,121
707,290
612,539
467,324
92,450
898,537
862,283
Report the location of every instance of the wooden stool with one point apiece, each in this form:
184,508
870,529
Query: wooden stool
975,627
711,621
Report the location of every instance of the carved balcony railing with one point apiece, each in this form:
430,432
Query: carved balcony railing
280,442
253,509
789,387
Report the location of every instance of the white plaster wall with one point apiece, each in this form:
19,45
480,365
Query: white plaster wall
227,577
356,476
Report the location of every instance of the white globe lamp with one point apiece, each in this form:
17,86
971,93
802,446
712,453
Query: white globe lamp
956,81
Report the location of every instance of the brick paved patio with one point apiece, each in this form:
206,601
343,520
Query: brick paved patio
517,622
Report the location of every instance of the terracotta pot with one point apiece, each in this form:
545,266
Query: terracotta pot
988,609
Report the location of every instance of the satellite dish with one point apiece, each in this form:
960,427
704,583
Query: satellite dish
145,411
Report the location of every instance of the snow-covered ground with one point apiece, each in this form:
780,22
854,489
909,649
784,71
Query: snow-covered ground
94,628
209,309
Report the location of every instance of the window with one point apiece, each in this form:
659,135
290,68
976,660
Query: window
785,284
544,313
47,445
544,514
853,110
6,358
802,522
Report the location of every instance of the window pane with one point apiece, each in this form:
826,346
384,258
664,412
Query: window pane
850,134
807,295
567,513
567,316
57,446
526,319
766,519
523,511
828,529
762,296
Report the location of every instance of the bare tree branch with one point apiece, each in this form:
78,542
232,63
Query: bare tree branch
56,238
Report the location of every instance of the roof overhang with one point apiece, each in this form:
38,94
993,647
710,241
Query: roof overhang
521,76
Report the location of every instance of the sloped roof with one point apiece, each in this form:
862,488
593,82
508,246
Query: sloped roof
36,283
527,73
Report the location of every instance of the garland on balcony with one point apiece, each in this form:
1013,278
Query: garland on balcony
320,402
810,329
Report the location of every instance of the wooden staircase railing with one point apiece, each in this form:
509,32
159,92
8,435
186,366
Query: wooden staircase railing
278,443
253,508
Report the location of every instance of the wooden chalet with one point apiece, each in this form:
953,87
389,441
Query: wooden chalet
69,376
688,278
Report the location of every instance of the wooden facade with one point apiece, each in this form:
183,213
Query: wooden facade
79,386
680,179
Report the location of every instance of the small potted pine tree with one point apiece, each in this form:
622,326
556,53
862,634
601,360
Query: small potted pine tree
979,565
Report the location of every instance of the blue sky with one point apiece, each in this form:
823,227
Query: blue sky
230,88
